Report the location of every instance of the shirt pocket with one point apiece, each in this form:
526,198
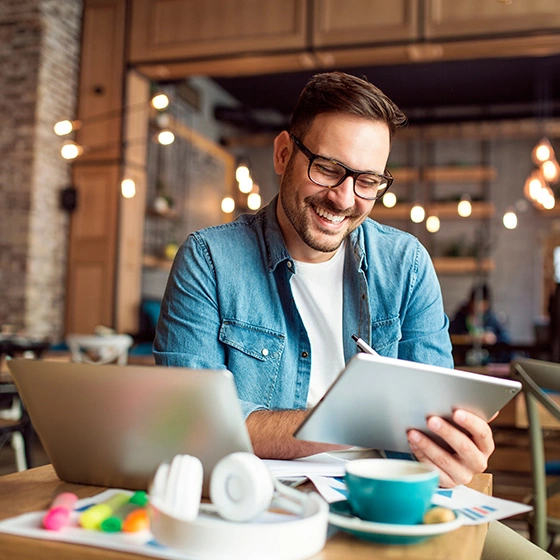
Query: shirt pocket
385,336
253,355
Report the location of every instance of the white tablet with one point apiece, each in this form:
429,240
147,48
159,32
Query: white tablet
375,400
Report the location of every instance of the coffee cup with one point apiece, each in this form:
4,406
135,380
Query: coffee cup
390,490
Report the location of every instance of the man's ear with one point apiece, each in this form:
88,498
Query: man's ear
282,152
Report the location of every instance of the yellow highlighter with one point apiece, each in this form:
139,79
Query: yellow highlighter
95,515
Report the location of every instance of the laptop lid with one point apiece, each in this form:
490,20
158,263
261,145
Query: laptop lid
112,425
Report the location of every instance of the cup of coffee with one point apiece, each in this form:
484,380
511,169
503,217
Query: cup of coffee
390,490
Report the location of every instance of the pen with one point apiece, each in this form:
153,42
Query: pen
117,520
95,515
364,346
58,515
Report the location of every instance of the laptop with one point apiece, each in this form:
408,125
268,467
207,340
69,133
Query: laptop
111,425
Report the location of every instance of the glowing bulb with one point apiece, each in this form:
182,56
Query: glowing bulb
242,172
128,188
549,203
432,224
550,171
228,205
535,187
417,214
464,208
166,137
254,201
160,101
71,150
389,200
62,128
246,185
510,219
542,152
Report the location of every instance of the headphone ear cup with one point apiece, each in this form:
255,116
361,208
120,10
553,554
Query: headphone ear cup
241,487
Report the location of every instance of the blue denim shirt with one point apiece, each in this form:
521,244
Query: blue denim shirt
228,304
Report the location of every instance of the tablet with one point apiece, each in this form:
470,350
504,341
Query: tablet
375,400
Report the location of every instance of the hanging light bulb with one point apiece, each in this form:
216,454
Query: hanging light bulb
71,150
242,172
160,101
533,186
62,128
417,213
550,170
246,184
128,188
389,200
542,151
228,205
464,208
166,137
433,224
254,201
510,219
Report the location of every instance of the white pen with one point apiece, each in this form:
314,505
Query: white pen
363,345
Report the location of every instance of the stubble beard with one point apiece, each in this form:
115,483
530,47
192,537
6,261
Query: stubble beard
319,239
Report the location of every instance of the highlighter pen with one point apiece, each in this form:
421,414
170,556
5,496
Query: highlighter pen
115,522
364,346
95,515
138,520
58,515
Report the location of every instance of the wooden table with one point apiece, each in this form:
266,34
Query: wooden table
33,490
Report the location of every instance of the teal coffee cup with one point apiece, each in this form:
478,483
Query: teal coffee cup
390,490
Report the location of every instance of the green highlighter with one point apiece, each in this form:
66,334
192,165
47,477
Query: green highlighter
114,523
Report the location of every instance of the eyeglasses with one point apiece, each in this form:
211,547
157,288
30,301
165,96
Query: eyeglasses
330,173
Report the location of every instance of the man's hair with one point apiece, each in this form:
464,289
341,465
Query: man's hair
336,92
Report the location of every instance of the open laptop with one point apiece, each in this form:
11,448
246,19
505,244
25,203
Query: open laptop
111,425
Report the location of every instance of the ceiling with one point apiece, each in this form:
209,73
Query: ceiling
430,92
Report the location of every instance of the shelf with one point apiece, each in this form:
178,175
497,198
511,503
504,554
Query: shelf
167,215
462,265
405,174
444,211
151,261
460,173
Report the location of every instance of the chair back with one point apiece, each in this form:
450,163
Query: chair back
537,378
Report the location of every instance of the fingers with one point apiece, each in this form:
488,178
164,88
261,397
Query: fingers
472,452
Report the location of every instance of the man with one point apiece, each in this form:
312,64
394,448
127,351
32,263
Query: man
275,297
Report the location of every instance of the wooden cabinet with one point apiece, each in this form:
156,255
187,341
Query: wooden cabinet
452,19
364,21
180,29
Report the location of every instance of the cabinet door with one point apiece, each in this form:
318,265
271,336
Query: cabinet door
355,22
450,18
182,29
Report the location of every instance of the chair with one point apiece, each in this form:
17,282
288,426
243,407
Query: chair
15,427
95,349
539,377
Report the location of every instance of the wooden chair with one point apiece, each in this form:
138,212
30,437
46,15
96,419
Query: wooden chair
539,377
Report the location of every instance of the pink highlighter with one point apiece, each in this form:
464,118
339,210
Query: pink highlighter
58,515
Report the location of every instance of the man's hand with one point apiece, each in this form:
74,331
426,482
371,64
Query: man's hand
471,455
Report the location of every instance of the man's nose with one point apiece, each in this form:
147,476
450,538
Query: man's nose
343,195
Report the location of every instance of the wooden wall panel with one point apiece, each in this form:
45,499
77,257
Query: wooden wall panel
449,18
92,252
179,29
355,22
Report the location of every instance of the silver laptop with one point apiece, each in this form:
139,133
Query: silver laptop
111,425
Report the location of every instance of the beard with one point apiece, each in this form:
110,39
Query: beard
299,211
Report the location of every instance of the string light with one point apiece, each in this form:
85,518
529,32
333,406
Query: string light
228,205
246,185
128,188
464,208
550,170
160,101
389,200
71,150
510,219
417,213
542,151
166,137
433,224
254,201
242,172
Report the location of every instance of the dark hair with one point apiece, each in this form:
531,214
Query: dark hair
336,92
480,291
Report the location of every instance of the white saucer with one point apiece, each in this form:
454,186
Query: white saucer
342,517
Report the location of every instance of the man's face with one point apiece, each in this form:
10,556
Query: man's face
314,219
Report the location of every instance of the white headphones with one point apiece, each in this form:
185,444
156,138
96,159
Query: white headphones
241,489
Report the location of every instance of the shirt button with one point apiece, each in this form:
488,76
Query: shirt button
289,264
264,351
304,354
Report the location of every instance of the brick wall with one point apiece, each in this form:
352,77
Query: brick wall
39,56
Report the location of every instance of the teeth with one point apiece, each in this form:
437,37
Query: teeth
328,216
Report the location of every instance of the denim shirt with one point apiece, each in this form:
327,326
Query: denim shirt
228,304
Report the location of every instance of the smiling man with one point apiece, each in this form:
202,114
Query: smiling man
275,297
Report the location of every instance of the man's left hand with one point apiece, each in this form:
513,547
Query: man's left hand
471,453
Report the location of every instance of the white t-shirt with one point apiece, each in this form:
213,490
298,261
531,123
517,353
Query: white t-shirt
317,289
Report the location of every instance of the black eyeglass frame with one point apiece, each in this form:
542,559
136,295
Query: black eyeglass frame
349,172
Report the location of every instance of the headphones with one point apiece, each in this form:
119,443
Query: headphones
241,489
